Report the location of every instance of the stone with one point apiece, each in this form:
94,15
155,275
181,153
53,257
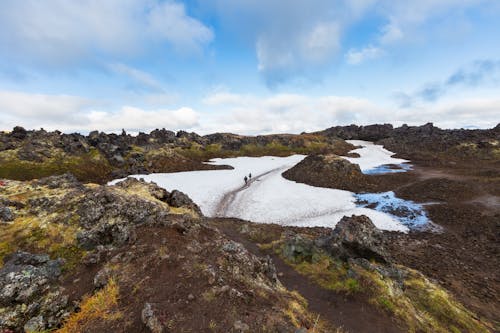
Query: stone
297,248
30,296
35,324
180,199
355,237
240,326
19,133
150,319
6,214
102,277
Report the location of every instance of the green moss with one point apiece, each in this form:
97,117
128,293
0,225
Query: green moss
71,254
90,167
328,273
386,304
302,146
5,249
420,304
29,234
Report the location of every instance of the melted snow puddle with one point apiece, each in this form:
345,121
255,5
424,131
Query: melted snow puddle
407,212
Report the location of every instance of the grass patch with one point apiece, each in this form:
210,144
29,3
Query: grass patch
298,145
102,306
30,234
421,304
329,274
90,167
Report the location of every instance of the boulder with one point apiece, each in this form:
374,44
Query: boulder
6,214
18,133
180,199
110,218
150,319
355,237
297,248
30,296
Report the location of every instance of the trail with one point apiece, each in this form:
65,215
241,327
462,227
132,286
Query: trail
228,198
337,309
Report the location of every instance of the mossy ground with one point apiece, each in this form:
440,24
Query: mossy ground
329,273
419,303
303,144
91,167
31,234
54,231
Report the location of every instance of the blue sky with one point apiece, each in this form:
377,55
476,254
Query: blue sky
248,66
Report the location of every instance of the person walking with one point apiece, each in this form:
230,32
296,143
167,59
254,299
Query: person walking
250,176
246,180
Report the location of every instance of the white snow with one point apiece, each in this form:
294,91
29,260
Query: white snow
372,155
270,198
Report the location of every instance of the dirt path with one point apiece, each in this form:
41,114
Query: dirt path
352,314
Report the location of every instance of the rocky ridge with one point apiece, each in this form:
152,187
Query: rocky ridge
100,157
132,251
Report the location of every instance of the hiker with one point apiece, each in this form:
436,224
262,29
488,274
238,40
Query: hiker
246,180
250,176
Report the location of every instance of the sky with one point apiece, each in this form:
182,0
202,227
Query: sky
248,66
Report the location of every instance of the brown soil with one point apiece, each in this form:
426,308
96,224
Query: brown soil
340,309
463,199
167,268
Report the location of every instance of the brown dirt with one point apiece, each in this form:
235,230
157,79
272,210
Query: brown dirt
340,309
465,257
164,267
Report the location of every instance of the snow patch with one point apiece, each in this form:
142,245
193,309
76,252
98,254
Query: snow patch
375,159
269,198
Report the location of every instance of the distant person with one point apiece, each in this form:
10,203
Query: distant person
249,176
246,180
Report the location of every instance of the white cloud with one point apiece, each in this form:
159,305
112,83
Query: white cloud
390,33
73,113
292,38
168,20
62,33
222,98
281,54
136,119
294,113
407,21
283,113
355,57
319,44
244,114
141,77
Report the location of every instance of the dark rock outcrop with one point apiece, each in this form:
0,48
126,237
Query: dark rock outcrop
6,214
29,294
180,199
355,237
66,180
108,218
329,171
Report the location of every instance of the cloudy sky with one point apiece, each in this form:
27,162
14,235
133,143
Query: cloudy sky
248,66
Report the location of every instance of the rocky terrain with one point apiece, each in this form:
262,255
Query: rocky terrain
456,174
426,144
100,157
76,256
131,258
